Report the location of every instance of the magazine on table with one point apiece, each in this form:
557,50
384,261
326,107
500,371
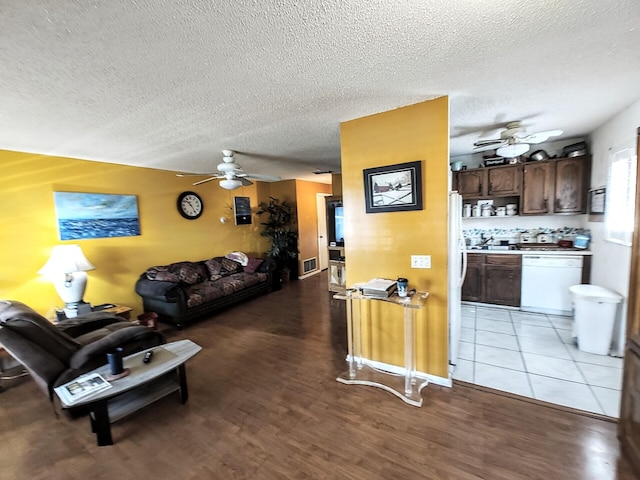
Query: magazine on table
81,387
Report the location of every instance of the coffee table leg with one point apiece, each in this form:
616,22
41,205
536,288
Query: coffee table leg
182,378
100,423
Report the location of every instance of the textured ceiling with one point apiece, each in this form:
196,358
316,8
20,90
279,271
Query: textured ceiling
168,84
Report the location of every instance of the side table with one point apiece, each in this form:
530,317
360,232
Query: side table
118,310
408,387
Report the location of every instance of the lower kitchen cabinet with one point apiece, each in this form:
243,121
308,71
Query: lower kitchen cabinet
502,279
472,288
493,279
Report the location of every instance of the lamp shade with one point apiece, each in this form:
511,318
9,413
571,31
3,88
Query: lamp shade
230,184
66,259
514,150
66,268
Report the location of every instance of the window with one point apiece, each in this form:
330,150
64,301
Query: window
621,191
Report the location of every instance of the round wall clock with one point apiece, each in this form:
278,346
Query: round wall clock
190,205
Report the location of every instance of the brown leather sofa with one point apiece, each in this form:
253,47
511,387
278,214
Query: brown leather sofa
56,354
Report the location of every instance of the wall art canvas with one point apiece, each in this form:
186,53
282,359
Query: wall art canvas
96,215
394,187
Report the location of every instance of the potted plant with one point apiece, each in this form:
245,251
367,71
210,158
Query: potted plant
280,228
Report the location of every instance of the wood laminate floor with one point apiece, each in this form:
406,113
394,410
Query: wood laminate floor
264,404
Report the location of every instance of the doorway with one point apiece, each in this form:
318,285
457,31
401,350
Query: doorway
323,253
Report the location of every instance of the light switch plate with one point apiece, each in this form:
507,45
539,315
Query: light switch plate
420,261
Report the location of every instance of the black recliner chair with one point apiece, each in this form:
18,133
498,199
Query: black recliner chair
56,354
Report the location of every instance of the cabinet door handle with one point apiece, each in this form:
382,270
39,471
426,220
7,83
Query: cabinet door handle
546,204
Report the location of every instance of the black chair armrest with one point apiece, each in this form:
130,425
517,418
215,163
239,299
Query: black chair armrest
74,327
167,291
136,336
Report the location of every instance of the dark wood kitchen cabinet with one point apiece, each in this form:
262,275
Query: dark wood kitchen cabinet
537,188
502,279
556,186
504,181
471,183
472,290
571,184
493,278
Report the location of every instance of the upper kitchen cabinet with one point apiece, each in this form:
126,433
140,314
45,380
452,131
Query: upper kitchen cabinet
470,183
489,182
537,188
556,186
504,181
571,184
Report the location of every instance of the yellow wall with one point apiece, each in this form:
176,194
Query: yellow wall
307,210
29,229
381,244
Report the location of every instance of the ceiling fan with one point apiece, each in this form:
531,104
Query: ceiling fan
230,174
514,141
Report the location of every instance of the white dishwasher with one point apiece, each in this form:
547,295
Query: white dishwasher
546,280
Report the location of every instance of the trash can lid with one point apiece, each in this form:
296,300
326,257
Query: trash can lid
594,293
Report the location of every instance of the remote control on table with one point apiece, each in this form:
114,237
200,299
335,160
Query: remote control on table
147,356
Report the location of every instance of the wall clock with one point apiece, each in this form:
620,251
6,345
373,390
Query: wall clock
190,205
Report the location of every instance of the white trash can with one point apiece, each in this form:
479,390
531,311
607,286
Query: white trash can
594,315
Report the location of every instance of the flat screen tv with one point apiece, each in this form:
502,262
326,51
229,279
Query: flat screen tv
335,223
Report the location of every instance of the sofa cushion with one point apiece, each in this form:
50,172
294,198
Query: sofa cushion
190,273
252,265
221,266
227,285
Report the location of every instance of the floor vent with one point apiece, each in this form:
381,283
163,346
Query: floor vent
309,265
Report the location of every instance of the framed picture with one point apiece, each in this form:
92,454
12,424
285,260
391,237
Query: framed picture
393,188
597,200
96,215
242,210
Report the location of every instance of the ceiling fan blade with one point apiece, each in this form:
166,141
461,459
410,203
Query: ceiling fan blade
488,143
207,180
245,181
257,176
193,174
540,137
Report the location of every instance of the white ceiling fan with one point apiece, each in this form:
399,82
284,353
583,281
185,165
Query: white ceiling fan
230,174
514,141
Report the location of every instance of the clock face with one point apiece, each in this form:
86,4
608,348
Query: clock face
190,205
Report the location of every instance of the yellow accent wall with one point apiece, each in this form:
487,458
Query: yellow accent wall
307,210
381,244
29,229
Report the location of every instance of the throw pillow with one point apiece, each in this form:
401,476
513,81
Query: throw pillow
220,266
253,265
181,272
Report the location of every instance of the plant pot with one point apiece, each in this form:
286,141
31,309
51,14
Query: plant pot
285,275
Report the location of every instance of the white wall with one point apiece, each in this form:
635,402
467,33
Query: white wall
611,261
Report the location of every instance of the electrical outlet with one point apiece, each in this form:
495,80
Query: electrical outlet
420,261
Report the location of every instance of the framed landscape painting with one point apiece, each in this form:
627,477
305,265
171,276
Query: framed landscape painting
393,188
96,215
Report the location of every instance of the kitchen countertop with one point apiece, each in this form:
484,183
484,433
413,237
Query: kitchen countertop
559,251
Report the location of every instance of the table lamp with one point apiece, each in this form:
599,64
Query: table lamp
66,268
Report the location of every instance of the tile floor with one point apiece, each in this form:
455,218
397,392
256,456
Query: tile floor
534,355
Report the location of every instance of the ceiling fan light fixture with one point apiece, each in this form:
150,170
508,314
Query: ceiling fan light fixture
230,184
512,151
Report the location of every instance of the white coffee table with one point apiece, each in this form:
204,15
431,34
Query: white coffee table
146,383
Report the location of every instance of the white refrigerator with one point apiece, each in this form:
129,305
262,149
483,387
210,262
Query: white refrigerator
457,269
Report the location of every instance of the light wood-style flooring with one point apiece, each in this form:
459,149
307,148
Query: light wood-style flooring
264,404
